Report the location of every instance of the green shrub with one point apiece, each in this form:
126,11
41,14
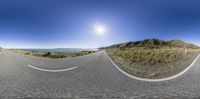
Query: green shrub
57,56
47,54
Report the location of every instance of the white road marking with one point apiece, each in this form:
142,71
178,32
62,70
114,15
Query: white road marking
1,51
47,70
153,80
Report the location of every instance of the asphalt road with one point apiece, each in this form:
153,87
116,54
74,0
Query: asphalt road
94,77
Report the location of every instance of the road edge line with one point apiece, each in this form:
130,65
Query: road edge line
153,80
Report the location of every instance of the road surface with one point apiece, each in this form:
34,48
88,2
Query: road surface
91,76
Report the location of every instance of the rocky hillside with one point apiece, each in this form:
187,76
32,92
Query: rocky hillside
155,43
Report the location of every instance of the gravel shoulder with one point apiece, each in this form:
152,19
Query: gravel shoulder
154,71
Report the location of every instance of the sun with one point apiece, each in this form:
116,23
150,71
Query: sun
100,29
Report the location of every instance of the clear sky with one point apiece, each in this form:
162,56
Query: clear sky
70,23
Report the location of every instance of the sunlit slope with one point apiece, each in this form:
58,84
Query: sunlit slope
153,58
155,43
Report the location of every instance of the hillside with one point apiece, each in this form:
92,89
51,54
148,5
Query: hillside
153,58
155,43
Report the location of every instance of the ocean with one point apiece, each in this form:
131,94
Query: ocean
60,50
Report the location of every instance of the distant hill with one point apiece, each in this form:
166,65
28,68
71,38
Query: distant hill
155,43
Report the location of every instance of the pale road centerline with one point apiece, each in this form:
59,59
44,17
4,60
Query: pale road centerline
153,80
48,70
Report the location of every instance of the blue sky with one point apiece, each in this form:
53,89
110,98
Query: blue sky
70,23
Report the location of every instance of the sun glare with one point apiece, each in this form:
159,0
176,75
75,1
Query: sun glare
100,29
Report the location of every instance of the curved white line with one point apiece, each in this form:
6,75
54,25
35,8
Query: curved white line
47,70
1,51
153,80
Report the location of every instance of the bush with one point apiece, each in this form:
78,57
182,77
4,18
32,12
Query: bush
47,54
57,56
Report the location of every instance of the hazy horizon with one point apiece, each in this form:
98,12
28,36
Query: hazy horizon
88,47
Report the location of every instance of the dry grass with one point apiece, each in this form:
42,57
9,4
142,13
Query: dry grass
54,54
152,63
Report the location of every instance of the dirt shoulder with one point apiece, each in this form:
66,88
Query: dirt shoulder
153,63
54,55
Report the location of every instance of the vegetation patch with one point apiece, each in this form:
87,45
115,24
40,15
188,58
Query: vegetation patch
153,58
54,55
152,63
